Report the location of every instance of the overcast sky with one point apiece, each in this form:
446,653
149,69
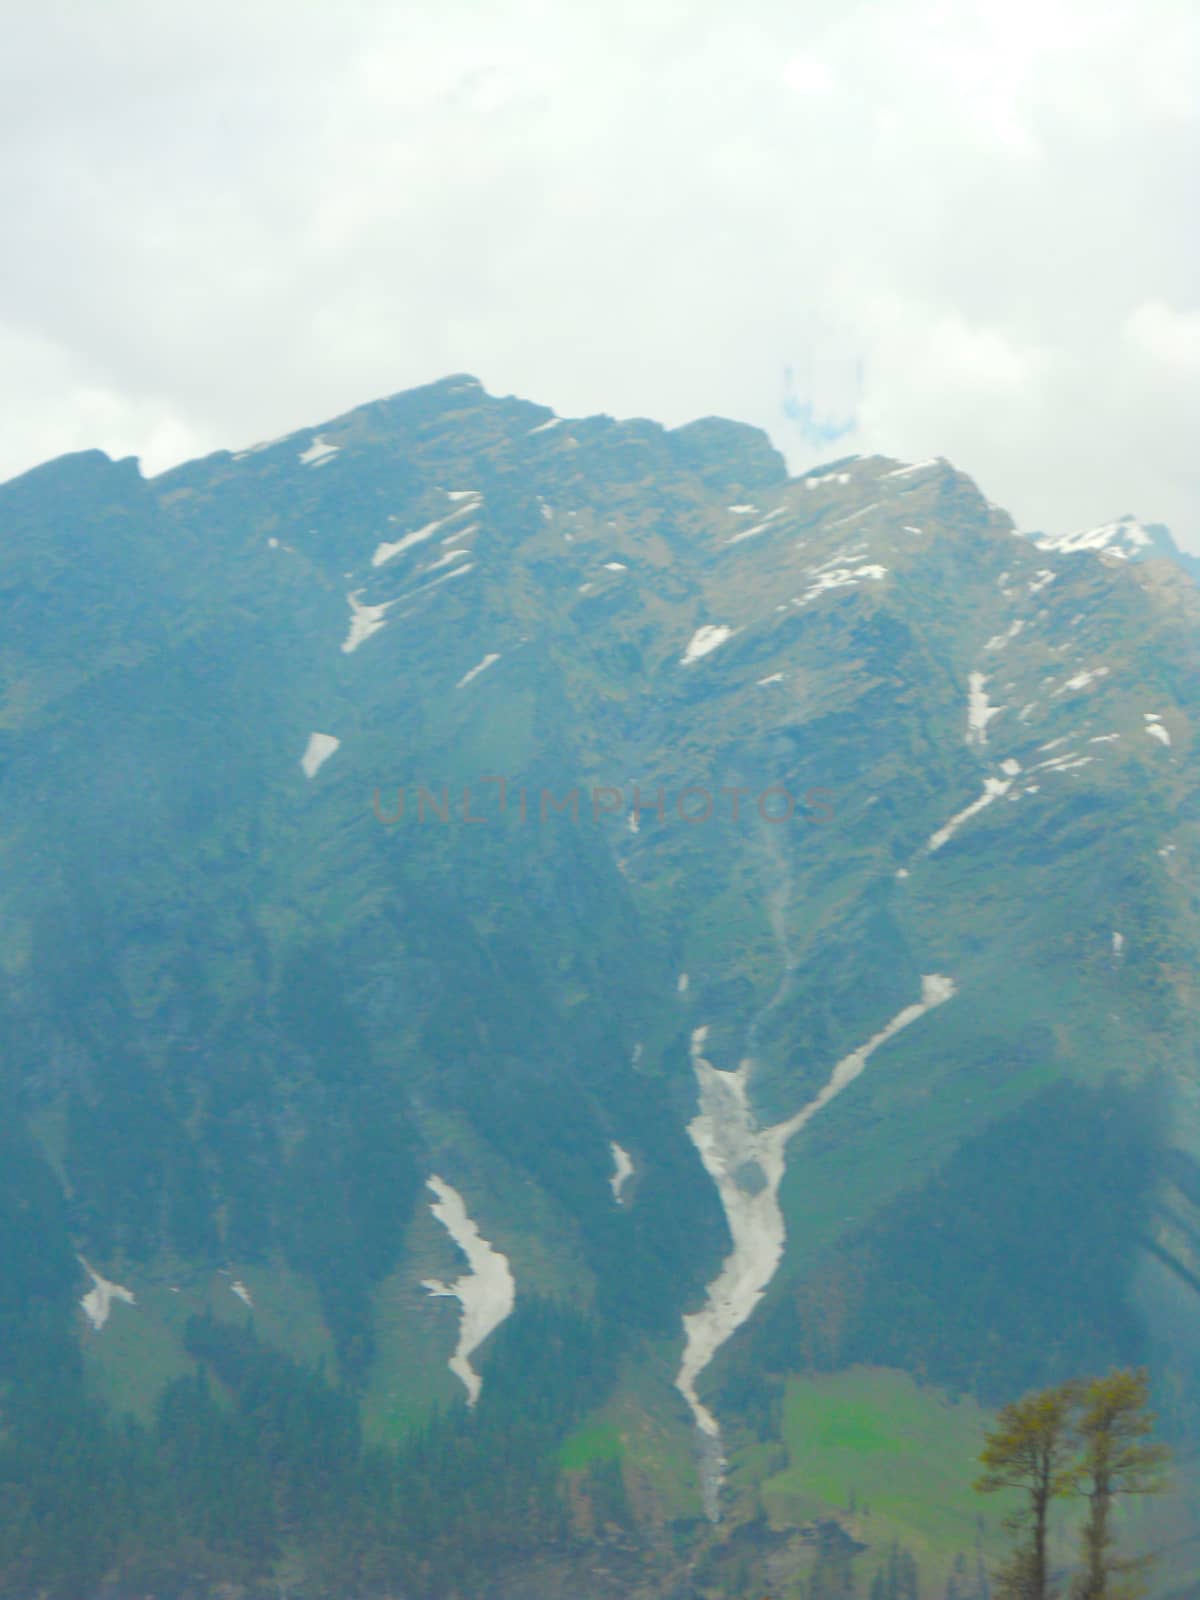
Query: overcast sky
967,229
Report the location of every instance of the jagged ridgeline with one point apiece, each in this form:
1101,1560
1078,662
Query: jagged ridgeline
576,1011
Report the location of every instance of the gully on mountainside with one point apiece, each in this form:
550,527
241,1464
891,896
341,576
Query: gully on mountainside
747,1163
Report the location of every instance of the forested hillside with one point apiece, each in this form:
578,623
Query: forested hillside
576,1011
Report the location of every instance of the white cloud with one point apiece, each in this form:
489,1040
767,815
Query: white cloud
1171,337
973,218
808,74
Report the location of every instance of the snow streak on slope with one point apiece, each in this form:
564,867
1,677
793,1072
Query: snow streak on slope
704,641
918,466
1081,680
487,1293
747,1164
97,1302
993,788
839,578
489,660
979,712
385,551
622,1169
317,452
364,621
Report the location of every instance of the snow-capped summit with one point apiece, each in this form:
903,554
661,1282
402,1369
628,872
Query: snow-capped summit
1126,539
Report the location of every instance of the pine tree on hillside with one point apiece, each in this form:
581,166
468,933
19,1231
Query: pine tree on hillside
1083,1439
1114,1423
1031,1450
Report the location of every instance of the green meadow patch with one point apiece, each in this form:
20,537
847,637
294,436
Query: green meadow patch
596,1442
895,1458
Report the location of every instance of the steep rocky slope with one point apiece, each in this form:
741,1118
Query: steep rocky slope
473,876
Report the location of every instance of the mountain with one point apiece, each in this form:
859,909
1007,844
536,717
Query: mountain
576,1011
1126,539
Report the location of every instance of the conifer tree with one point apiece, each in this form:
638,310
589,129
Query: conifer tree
1031,1450
1114,1424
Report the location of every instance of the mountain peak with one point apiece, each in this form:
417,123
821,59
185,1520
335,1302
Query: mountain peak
728,455
1125,539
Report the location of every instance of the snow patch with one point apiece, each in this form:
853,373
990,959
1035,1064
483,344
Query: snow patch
243,1294
840,578
98,1301
1157,731
317,752
855,515
364,621
704,641
775,677
385,551
1068,763
317,452
1122,539
907,472
999,640
759,527
447,560
487,1293
433,583
622,1170
979,712
456,534
993,788
489,660
544,427
1081,680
